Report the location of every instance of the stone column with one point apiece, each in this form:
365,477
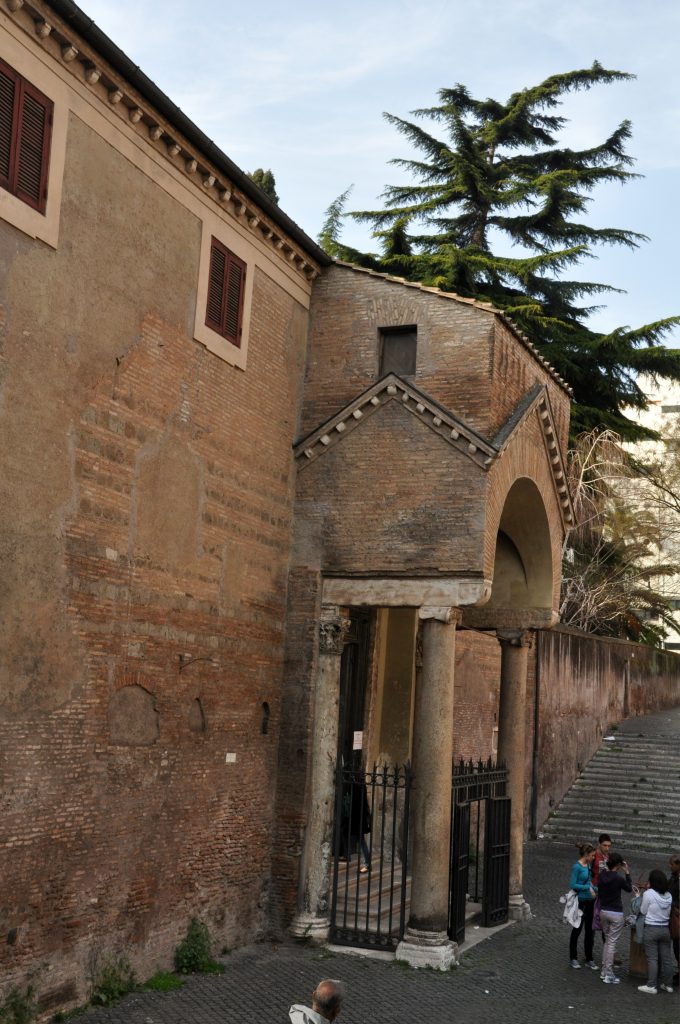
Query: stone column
515,645
425,942
313,917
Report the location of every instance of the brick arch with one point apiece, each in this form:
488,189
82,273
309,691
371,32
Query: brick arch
523,561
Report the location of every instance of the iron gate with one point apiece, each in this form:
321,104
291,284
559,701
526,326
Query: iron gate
480,844
370,855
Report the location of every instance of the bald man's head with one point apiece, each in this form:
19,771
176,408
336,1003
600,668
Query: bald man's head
327,998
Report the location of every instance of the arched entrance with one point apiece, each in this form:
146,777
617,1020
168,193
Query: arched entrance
523,562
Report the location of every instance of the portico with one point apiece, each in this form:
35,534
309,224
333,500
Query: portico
430,521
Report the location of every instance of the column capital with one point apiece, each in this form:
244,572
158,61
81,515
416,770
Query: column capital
333,628
453,616
515,637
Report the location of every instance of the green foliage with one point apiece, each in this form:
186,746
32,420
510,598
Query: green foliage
611,567
163,981
497,172
266,181
329,236
194,955
18,1007
114,980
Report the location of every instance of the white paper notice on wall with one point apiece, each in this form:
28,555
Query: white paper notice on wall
358,743
230,758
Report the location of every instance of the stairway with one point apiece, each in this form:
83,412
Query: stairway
630,789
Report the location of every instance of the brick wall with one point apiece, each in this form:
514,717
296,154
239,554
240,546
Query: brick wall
467,359
145,524
477,689
586,684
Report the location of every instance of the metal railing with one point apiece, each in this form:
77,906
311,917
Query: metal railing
370,855
476,787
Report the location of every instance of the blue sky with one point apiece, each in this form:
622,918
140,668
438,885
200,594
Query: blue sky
300,88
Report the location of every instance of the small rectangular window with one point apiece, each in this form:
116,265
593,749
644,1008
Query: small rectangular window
25,131
398,351
226,285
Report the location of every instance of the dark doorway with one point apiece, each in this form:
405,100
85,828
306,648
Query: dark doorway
353,683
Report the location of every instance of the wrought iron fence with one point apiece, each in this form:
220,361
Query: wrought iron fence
370,855
480,822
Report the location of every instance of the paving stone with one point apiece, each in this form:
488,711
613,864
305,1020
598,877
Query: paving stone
520,974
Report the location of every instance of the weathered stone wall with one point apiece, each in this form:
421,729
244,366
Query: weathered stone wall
145,523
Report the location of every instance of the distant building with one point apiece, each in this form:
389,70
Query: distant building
663,416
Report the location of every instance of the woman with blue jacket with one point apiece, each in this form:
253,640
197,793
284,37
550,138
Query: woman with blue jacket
582,884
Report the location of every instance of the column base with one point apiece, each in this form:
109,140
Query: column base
307,926
518,908
427,949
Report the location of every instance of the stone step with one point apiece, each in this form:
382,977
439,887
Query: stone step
626,841
655,756
660,802
583,830
620,822
671,762
619,818
630,770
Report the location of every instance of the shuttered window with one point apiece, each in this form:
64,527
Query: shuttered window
226,285
25,128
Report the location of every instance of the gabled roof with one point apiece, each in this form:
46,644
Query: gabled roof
536,399
487,307
445,424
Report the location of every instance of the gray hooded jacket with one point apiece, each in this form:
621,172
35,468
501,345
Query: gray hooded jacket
303,1015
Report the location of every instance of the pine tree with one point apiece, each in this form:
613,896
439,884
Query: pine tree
265,180
501,174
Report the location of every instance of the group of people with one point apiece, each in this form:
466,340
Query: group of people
599,878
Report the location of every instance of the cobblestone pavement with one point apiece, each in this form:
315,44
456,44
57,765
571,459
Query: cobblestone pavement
520,973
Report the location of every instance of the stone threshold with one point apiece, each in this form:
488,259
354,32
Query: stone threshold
474,934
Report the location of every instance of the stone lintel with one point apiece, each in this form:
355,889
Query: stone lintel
386,592
510,619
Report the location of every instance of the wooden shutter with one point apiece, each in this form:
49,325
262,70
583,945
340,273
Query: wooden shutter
226,287
25,131
8,121
218,262
234,304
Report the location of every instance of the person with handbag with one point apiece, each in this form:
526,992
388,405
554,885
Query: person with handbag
582,884
656,906
614,878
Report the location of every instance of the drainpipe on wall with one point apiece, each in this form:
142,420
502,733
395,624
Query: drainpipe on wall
533,825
